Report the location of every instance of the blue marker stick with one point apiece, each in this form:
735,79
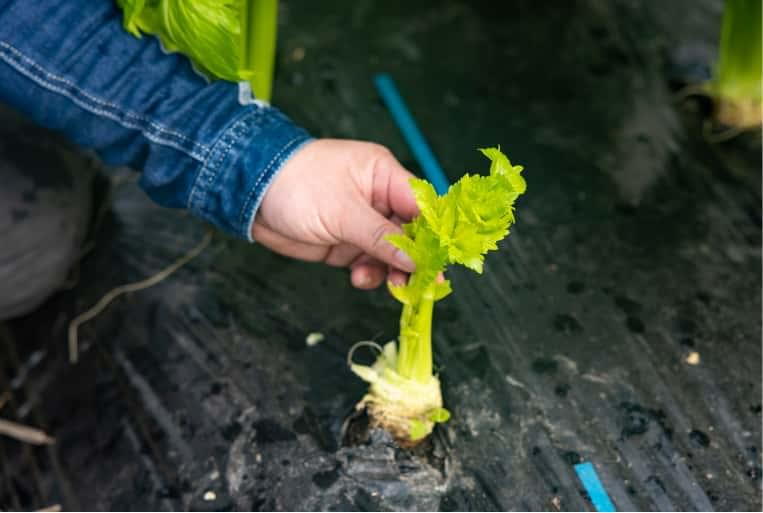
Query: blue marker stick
413,136
590,479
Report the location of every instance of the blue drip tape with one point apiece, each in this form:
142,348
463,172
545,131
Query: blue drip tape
413,136
590,479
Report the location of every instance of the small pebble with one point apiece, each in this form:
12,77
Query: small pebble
209,496
298,54
693,358
314,339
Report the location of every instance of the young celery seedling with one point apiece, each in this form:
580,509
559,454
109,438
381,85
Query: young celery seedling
459,227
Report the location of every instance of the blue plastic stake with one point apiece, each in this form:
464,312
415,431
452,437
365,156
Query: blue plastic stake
413,136
590,479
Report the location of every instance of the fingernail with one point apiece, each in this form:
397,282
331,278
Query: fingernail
397,281
363,279
404,262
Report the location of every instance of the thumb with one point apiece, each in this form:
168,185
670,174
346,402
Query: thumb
366,228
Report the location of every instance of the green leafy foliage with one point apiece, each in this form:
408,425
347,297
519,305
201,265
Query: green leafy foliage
227,39
205,30
418,430
439,415
459,227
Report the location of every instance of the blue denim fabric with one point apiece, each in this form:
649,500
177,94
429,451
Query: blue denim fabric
70,66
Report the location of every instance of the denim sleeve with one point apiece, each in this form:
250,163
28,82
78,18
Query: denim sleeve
70,66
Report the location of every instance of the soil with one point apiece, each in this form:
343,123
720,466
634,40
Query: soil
637,244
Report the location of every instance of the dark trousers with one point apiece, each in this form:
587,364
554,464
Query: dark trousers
46,198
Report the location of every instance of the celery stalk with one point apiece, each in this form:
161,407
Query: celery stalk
258,44
415,359
736,84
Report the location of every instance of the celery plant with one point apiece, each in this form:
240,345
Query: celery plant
459,227
232,40
736,85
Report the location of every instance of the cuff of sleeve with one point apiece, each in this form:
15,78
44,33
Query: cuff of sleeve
241,165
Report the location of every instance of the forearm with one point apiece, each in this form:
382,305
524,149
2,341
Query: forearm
70,66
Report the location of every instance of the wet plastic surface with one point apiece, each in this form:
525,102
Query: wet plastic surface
637,244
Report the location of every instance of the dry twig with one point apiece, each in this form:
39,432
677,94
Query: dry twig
129,287
24,433
53,508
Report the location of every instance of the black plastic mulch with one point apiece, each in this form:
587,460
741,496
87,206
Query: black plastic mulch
637,244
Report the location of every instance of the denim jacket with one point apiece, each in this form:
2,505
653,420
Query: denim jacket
70,66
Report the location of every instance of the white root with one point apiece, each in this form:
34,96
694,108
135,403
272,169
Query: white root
396,403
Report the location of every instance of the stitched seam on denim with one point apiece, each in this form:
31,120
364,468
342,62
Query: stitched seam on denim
151,129
103,103
258,199
220,151
209,169
265,174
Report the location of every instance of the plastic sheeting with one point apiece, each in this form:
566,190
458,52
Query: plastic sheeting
620,323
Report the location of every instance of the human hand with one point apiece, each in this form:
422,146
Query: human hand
333,202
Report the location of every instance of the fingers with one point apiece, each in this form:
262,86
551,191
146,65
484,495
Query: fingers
288,247
397,277
392,188
367,273
367,229
401,199
342,255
